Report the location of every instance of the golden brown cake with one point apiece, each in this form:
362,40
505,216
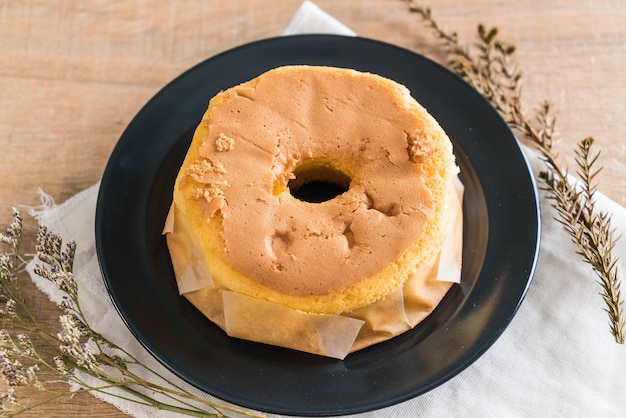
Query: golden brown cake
360,131
244,227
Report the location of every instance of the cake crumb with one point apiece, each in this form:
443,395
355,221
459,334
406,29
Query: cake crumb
224,143
212,192
199,170
418,148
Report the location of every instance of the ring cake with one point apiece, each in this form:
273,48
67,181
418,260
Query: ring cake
311,200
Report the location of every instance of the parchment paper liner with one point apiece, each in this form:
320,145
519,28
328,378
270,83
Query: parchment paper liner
333,336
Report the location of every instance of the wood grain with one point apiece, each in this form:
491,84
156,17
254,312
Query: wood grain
73,74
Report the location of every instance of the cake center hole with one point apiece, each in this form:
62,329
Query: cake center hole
317,183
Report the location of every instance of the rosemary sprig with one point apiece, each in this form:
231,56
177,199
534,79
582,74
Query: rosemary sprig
31,356
491,69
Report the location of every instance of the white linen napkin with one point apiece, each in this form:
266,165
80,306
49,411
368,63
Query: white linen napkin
557,357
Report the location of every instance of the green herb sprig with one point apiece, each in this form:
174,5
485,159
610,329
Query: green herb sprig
491,68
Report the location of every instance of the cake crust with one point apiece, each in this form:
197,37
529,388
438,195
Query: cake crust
339,255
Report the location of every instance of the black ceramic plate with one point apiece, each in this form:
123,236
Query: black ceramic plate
500,241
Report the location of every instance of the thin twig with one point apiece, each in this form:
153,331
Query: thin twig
493,71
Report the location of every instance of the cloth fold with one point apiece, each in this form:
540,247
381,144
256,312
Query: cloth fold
556,358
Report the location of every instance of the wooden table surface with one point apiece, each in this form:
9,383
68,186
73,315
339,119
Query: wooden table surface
74,73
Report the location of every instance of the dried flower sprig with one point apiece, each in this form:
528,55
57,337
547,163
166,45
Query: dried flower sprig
77,355
492,70
591,231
